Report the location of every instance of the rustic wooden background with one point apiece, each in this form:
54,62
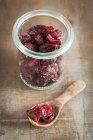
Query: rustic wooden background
76,119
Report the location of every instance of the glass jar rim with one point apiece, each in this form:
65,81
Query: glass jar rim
65,46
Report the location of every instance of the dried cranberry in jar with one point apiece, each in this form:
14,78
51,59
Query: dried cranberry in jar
43,75
30,46
38,39
41,39
25,38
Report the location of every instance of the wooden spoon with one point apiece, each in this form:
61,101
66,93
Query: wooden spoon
59,102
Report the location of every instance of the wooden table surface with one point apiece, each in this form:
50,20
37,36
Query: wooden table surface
76,119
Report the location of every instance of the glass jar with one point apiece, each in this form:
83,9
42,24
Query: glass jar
42,70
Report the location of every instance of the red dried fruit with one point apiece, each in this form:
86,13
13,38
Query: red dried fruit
33,62
43,48
32,31
53,76
42,80
47,61
51,39
41,34
40,28
57,34
30,46
44,70
49,118
54,73
24,38
47,48
42,39
47,73
44,62
38,39
41,113
49,29
35,113
47,107
43,75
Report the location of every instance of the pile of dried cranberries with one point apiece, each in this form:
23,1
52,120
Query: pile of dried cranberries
41,72
41,113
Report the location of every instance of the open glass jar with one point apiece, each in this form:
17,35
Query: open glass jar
42,70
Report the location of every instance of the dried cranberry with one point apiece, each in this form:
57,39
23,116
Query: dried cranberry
49,29
47,48
36,30
29,68
52,40
49,118
32,62
44,62
30,46
32,31
47,107
46,36
43,75
42,80
35,113
47,74
54,73
41,113
44,70
38,39
43,48
53,76
24,38
40,28
57,34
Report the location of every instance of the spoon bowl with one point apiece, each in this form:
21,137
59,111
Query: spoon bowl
58,103
46,124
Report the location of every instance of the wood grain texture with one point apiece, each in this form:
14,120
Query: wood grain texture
76,119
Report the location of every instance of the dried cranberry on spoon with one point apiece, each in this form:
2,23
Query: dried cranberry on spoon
41,113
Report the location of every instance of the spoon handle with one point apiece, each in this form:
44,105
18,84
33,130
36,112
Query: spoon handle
71,91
